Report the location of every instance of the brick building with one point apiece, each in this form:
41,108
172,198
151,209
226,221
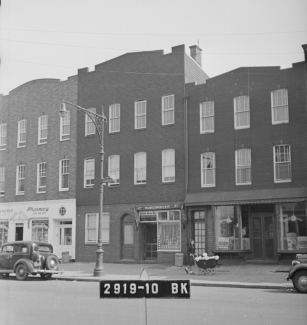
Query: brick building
143,95
38,164
247,171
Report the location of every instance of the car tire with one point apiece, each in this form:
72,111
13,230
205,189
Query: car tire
52,262
46,276
21,272
300,281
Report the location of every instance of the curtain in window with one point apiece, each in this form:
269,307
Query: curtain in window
169,236
40,230
208,168
114,170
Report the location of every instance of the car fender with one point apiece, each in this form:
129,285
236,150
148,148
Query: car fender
297,267
27,263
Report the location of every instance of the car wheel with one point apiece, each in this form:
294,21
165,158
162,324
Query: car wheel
300,281
52,263
46,276
21,272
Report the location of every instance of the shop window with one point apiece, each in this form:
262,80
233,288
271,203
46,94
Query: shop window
4,228
292,226
231,228
40,230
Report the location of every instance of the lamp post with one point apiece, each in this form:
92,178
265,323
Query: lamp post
98,121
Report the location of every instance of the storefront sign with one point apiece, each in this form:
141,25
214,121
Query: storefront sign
159,207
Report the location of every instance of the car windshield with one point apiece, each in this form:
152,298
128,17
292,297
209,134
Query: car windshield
42,248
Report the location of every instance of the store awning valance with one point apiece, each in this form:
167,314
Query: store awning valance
247,197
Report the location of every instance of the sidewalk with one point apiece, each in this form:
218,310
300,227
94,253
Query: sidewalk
238,276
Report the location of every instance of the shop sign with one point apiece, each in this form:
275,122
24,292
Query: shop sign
159,207
38,211
5,212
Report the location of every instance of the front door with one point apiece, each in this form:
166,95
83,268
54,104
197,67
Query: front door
263,237
128,238
150,241
19,232
66,237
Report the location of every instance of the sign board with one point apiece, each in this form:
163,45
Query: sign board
145,289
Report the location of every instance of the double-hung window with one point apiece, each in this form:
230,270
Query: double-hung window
114,118
2,136
65,126
242,112
42,129
41,177
208,169
168,165
207,117
20,179
64,175
168,109
243,167
89,173
89,124
2,181
140,114
91,228
140,168
280,109
282,164
22,131
114,169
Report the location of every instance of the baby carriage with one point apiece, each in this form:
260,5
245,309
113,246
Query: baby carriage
206,264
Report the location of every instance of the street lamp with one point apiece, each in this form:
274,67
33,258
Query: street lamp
98,121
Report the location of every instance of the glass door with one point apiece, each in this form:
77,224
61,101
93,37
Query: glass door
151,241
263,237
66,237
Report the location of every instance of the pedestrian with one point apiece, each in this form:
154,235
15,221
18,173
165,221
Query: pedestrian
191,252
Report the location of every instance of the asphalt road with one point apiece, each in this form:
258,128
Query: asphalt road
71,302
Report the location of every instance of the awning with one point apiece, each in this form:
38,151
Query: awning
247,197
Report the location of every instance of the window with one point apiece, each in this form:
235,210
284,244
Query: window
140,168
22,129
89,124
89,172
40,230
243,167
41,177
168,109
206,117
280,109
91,228
208,169
2,181
168,165
4,229
114,169
282,164
65,127
20,180
42,129
114,118
140,114
242,112
64,174
2,136
200,232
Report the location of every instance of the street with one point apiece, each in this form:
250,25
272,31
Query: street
71,302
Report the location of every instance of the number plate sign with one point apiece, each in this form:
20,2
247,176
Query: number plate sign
145,289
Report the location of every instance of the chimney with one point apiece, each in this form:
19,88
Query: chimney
196,53
305,50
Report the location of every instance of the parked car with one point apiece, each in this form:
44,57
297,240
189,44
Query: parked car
298,273
28,257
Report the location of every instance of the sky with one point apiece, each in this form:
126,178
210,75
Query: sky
55,38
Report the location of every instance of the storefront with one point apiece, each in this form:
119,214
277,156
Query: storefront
47,221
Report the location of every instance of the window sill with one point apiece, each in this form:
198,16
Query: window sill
294,251
2,149
169,183
95,244
18,147
167,125
143,184
64,139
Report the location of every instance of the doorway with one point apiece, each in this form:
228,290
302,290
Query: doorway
151,241
128,238
19,232
263,237
66,237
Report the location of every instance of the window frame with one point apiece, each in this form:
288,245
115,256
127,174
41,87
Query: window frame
172,109
113,109
3,136
136,115
239,167
211,115
41,188
20,180
85,175
22,126
116,181
143,182
2,180
105,215
204,168
89,127
273,107
164,166
275,164
65,122
61,188
41,127
236,112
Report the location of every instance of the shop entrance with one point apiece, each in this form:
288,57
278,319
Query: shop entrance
66,237
151,241
19,231
263,237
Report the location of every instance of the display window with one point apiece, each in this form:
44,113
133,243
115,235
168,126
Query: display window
40,230
231,228
292,226
4,228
